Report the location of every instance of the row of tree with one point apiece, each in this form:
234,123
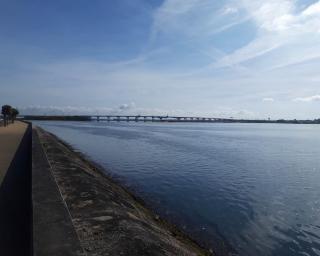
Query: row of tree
9,114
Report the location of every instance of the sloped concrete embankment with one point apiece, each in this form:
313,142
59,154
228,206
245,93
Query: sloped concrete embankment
53,230
98,216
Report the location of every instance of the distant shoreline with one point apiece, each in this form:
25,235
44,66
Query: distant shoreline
161,119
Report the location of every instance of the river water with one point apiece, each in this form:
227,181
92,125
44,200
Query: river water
255,187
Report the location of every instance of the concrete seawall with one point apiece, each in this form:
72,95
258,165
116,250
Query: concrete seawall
53,230
77,210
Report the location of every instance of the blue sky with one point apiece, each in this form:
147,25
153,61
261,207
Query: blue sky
244,58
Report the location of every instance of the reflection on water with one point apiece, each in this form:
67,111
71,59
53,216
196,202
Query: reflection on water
257,185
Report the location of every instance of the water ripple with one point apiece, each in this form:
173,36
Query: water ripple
253,186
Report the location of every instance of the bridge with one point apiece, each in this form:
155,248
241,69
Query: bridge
127,118
156,118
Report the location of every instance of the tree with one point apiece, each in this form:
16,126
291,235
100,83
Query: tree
6,112
14,113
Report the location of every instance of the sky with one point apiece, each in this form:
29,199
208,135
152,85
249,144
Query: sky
214,58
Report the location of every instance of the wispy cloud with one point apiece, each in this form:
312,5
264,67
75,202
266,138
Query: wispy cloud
312,10
279,24
132,109
229,10
268,99
308,99
195,18
201,57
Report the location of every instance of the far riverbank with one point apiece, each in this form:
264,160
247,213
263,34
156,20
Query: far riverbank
162,119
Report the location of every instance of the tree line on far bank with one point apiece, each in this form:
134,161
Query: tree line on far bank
9,114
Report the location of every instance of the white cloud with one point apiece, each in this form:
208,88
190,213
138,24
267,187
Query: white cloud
279,25
282,36
254,49
228,10
63,110
132,109
271,15
282,28
126,107
268,99
195,18
308,99
313,9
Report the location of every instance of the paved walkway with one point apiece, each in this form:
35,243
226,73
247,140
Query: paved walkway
10,138
15,187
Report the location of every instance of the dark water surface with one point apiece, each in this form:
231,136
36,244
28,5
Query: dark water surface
257,185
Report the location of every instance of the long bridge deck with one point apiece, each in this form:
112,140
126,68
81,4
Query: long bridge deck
128,118
155,118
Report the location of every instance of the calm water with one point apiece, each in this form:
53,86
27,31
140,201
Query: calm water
256,185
